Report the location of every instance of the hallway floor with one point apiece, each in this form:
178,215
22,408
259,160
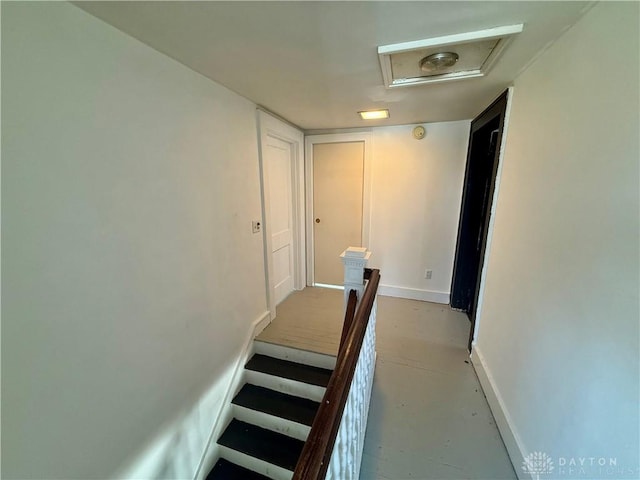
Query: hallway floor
429,418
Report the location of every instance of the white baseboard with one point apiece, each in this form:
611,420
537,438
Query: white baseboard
507,428
414,294
259,325
210,453
183,448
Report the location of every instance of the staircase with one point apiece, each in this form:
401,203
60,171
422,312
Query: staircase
272,413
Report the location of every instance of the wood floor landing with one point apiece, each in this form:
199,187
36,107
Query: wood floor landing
310,319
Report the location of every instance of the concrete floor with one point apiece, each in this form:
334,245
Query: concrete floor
428,418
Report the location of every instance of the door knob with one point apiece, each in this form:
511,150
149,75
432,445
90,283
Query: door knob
317,220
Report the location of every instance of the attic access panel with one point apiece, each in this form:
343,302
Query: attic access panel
477,52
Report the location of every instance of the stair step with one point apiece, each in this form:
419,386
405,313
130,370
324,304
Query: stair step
284,385
286,369
263,444
254,464
225,470
279,404
297,355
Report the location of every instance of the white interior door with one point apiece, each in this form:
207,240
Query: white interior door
338,173
278,164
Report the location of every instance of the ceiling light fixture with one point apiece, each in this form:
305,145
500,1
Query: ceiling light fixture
438,61
431,60
374,114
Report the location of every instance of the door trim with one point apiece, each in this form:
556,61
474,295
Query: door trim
473,335
461,278
496,110
312,140
270,126
499,107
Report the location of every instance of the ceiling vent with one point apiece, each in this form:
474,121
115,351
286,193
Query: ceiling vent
441,59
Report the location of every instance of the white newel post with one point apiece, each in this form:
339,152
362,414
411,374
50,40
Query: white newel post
346,456
355,260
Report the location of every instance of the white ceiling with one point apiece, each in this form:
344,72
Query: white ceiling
316,63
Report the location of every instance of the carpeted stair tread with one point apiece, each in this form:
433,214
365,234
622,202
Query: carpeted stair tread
272,447
291,370
225,470
297,409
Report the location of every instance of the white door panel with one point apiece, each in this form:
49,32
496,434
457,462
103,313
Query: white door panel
280,239
338,172
278,157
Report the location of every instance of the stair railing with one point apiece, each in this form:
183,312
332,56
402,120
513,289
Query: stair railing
333,449
349,314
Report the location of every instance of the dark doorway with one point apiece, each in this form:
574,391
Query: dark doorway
477,197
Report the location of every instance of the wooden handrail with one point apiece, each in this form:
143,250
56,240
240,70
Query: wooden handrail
348,316
316,454
367,273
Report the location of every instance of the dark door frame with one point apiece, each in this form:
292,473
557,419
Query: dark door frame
465,285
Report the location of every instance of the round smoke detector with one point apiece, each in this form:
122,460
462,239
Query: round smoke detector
438,61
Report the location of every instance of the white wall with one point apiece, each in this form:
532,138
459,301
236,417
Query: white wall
558,339
416,192
128,187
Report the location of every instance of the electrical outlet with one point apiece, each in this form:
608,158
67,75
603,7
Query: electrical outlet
256,226
428,274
